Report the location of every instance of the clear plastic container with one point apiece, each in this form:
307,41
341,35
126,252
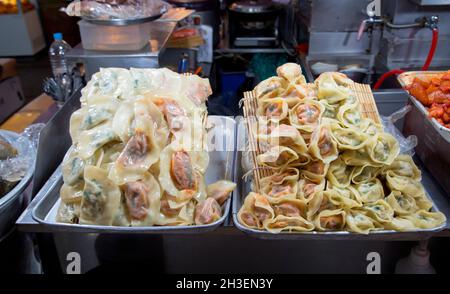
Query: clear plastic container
114,38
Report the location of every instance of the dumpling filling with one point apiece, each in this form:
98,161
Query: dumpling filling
135,150
136,198
182,171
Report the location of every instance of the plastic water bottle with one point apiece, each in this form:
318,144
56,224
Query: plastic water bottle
57,52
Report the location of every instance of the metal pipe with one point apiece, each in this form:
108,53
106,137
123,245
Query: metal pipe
391,25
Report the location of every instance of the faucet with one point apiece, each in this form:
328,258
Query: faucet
423,22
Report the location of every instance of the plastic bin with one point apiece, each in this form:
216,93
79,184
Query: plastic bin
114,38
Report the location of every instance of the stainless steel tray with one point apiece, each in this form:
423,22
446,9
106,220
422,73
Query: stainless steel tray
243,188
11,203
406,79
41,213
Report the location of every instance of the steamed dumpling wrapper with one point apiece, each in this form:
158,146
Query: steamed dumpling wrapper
306,115
330,220
347,197
308,188
180,174
283,223
255,211
91,140
339,174
358,222
287,189
188,130
207,212
174,115
277,157
139,154
72,194
365,173
321,201
270,88
407,186
329,111
402,204
110,83
290,71
110,153
190,92
348,138
272,110
400,224
423,203
380,211
220,190
285,135
426,220
87,118
288,174
184,215
370,191
358,158
68,213
404,166
383,148
144,107
298,90
333,87
101,198
315,170
289,207
72,167
322,145
303,160
143,200
123,122
371,128
349,115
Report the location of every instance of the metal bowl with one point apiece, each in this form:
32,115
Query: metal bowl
122,22
11,203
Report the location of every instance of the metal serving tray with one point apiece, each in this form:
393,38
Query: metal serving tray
406,79
243,188
11,203
40,216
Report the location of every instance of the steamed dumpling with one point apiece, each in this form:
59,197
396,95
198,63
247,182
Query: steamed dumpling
207,212
322,146
383,148
339,174
143,200
255,211
306,115
404,166
333,87
220,190
370,191
101,198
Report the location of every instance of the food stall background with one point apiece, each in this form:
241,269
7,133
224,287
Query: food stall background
332,39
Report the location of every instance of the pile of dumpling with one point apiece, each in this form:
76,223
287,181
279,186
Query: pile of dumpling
331,168
138,156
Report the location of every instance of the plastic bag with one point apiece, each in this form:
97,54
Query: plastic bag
14,168
407,145
116,9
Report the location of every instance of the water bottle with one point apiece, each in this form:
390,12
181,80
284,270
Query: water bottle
57,52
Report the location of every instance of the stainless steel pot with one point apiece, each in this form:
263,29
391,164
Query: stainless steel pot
12,203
